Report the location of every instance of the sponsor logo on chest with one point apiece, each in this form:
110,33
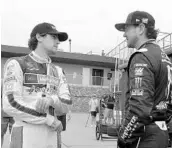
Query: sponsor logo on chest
30,78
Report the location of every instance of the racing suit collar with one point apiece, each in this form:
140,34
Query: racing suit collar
148,41
39,59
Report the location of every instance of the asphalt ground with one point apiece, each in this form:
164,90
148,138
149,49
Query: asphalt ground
78,135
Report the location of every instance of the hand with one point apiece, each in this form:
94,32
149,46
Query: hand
43,104
56,125
121,143
60,108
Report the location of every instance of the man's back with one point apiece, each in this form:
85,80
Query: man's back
162,67
162,70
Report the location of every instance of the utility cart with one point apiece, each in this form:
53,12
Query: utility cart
106,130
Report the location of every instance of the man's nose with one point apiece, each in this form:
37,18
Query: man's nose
57,41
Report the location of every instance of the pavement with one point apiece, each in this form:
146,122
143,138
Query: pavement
78,135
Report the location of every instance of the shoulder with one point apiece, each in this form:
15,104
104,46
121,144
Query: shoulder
12,70
150,53
150,48
58,68
15,60
11,64
153,50
58,71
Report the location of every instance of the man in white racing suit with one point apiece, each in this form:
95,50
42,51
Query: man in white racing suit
35,91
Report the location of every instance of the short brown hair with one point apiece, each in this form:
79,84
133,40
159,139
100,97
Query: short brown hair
32,43
151,33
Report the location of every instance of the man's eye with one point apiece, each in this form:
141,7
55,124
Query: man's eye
54,36
126,27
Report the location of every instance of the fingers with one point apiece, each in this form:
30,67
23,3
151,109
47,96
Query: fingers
42,105
57,126
45,105
38,106
60,128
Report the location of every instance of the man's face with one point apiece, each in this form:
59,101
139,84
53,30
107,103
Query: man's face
50,43
131,35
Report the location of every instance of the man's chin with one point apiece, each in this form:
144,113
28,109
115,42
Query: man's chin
52,52
130,46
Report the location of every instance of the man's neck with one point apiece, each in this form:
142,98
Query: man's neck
141,42
41,52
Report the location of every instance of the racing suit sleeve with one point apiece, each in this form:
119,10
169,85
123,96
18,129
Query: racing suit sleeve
64,101
140,103
14,102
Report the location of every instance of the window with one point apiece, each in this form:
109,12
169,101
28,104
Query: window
97,76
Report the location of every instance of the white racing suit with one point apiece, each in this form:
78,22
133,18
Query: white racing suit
25,80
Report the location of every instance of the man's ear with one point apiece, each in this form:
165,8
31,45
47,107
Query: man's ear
39,37
142,29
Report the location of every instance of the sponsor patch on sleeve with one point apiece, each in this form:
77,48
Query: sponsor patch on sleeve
9,87
137,92
138,71
10,79
140,65
138,82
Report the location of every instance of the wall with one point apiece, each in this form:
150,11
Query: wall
82,94
74,73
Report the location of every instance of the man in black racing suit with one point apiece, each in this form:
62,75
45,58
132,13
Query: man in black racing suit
149,86
169,123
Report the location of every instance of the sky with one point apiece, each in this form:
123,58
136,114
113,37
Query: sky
89,23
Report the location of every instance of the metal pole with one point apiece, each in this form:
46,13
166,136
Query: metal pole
70,45
115,75
87,119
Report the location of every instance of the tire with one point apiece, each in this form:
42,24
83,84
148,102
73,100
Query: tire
101,137
98,132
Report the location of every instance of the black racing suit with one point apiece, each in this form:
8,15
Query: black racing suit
149,89
170,132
